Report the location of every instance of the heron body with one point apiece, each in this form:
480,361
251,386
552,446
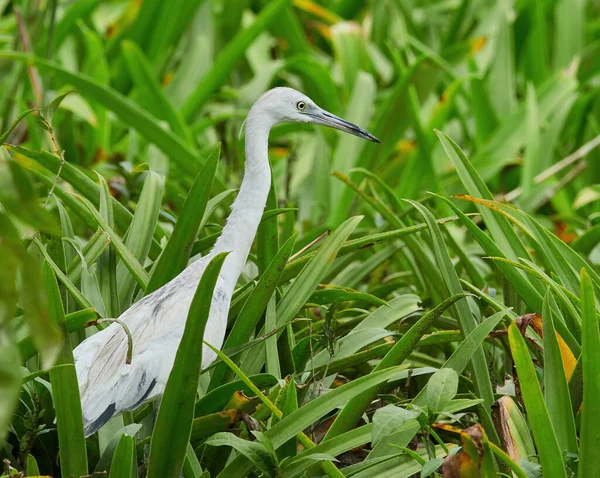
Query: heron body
107,384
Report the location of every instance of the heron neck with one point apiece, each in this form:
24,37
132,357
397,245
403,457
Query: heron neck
247,209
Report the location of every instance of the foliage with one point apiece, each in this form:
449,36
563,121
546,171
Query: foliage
422,307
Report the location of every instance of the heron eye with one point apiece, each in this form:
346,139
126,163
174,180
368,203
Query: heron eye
301,105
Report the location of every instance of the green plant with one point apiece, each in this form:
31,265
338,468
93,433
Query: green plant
421,307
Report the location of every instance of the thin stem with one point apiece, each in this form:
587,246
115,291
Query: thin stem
127,331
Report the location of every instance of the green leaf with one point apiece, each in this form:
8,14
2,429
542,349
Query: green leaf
140,233
262,459
556,389
4,136
388,420
549,451
65,391
105,461
176,253
171,434
53,106
123,465
431,466
590,350
440,390
353,410
10,376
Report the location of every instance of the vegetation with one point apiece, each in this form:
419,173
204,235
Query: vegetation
424,307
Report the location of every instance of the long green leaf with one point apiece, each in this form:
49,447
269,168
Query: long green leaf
177,252
65,391
171,434
549,451
590,352
556,389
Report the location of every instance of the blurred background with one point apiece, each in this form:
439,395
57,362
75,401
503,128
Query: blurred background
514,83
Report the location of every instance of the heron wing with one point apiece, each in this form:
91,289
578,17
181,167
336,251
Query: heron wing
107,384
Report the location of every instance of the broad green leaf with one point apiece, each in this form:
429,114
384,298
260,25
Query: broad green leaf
171,434
388,419
254,451
440,389
123,464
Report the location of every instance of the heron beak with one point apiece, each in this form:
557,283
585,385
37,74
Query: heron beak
325,118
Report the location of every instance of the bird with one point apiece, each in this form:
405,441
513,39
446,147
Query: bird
108,384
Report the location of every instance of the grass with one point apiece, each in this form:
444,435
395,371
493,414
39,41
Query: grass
423,307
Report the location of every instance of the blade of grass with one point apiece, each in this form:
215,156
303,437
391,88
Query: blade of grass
168,445
556,389
176,253
549,451
65,391
590,354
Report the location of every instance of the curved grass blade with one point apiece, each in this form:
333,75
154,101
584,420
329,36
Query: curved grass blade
173,427
75,321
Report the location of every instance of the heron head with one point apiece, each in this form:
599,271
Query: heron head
286,105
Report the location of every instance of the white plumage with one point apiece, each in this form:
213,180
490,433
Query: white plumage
107,384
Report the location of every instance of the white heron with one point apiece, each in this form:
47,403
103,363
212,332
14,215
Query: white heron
107,384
